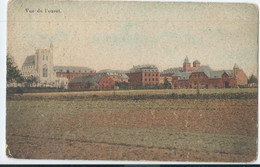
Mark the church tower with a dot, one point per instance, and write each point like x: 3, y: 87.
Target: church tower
x: 235, y: 68
x: 44, y: 64
x: 186, y: 65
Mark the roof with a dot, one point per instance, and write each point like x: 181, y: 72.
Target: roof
x: 206, y: 69
x: 29, y: 61
x: 172, y: 70
x: 112, y: 72
x: 196, y: 62
x: 184, y: 75
x: 235, y: 65
x: 186, y: 60
x: 230, y: 73
x: 92, y: 79
x: 144, y: 68
x: 124, y: 76
x: 214, y: 74
x: 72, y: 69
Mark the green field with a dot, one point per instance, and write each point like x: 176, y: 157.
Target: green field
x: 147, y: 92
x: 150, y: 129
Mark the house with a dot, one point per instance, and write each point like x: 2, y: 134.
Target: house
x: 71, y: 71
x: 98, y: 81
x: 144, y: 75
x: 117, y: 75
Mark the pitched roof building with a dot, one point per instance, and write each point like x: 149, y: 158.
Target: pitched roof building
x: 205, y: 77
x: 98, y: 81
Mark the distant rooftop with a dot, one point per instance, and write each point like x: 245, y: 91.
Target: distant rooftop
x: 92, y: 79
x: 73, y: 69
x: 109, y: 71
x: 144, y: 68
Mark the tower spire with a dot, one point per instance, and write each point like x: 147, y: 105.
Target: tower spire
x: 186, y: 60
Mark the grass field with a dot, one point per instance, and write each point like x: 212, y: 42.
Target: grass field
x: 150, y: 129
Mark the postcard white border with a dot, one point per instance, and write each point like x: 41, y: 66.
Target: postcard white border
x: 6, y: 160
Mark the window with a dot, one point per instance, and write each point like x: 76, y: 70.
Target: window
x: 145, y: 74
x: 149, y: 79
x: 153, y: 79
x: 149, y: 74
x: 153, y: 74
x: 46, y: 57
x: 145, y: 79
x: 45, y: 71
x: 156, y: 74
x: 43, y: 57
x: 156, y: 79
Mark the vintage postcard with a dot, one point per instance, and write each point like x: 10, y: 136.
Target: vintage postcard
x: 132, y: 80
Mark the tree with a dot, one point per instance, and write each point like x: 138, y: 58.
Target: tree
x: 167, y: 84
x: 20, y: 80
x: 13, y: 73
x: 29, y: 81
x: 252, y: 79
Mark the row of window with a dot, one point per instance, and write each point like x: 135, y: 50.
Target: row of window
x: 68, y: 71
x: 198, y: 75
x: 150, y: 70
x: 148, y: 74
x: 26, y: 67
x: 151, y: 79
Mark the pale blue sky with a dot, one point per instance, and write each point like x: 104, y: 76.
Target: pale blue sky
x: 118, y: 35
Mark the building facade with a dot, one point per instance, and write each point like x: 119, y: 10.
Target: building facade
x: 70, y: 72
x: 98, y: 81
x: 205, y: 78
x: 40, y: 65
x: 117, y: 75
x: 144, y: 75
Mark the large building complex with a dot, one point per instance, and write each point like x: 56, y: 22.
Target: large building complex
x: 204, y: 77
x: 186, y: 77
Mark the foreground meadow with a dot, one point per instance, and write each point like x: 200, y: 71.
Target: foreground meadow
x: 148, y: 129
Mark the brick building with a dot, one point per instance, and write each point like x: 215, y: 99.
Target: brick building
x: 99, y: 81
x: 144, y: 75
x: 205, y: 77
x: 117, y: 75
x: 70, y: 72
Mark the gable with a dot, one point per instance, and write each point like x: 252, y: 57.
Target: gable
x: 29, y: 61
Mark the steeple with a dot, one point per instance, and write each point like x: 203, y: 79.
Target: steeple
x: 186, y: 65
x: 235, y: 66
x: 186, y: 60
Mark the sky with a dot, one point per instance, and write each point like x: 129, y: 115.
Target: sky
x: 117, y: 35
